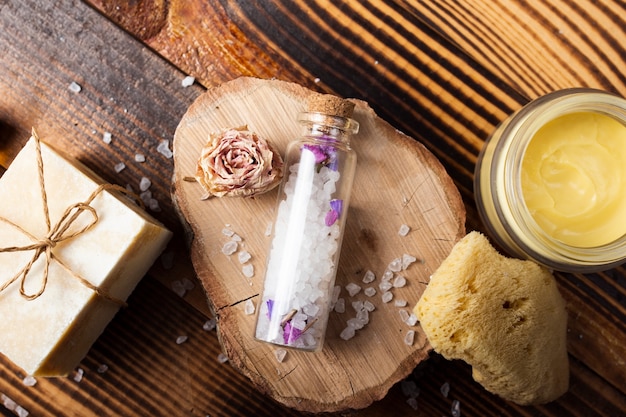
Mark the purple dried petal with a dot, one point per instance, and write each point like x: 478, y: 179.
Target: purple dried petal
x: 337, y: 205
x: 331, y: 217
x: 290, y: 333
x: 270, y: 307
x: 336, y: 208
x: 320, y: 155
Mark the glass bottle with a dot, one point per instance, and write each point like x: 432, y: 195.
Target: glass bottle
x: 499, y: 175
x: 313, y: 200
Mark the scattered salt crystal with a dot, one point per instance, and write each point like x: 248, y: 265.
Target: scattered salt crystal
x: 357, y: 305
x: 340, y: 305
x: 445, y: 389
x: 79, y: 375
x: 353, y: 289
x: 404, y: 315
x: 244, y: 256
x: 387, y: 296
x: 363, y: 316
x: 280, y: 354
x: 336, y: 292
x: 230, y: 247
x: 29, y: 381
x: 404, y: 230
x: 268, y: 229
x: 179, y: 288
x: 409, y: 337
x: 139, y: 157
x: 187, y: 284
x: 181, y: 339
x: 11, y: 405
x: 146, y: 196
x: 409, y: 388
x: 311, y: 310
x: 164, y: 148
x: 188, y: 81
x: 119, y: 167
x: 75, y: 87
x: 167, y: 260
x: 227, y: 232
x: 412, y: 402
x: 387, y: 275
x: 412, y: 320
x: 221, y: 358
x: 236, y: 238
x: 103, y: 368
x: 399, y: 282
x: 370, y: 291
x: 385, y: 286
x: 455, y: 409
x: 347, y: 333
x: 144, y: 184
x: 368, y: 277
x: 395, y: 265
x: 407, y: 260
x: 355, y: 323
x: 400, y: 303
x: 368, y: 306
x: 153, y: 205
x: 106, y: 137
x: 248, y: 270
x: 248, y: 307
x: 209, y: 325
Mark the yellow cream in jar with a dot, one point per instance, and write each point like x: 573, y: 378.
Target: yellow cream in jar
x: 574, y: 179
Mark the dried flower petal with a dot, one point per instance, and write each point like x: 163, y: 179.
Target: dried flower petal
x: 291, y: 334
x: 238, y: 162
x: 270, y: 307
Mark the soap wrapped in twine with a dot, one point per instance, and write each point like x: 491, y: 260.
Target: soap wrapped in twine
x: 55, y: 234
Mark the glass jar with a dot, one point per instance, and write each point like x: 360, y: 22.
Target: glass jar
x: 522, y: 219
x: 308, y: 229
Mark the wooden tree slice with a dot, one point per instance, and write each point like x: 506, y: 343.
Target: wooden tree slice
x: 398, y: 182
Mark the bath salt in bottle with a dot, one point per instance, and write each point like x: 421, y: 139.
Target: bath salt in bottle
x: 308, y: 229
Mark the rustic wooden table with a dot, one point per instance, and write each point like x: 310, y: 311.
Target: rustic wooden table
x: 445, y: 73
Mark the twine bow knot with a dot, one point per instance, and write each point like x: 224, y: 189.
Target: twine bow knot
x: 55, y: 235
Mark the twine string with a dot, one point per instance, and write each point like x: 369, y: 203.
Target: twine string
x: 56, y: 234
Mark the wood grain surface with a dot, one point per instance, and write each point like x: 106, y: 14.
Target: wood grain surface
x: 344, y: 374
x: 445, y: 73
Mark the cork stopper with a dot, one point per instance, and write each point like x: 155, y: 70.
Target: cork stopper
x: 330, y: 105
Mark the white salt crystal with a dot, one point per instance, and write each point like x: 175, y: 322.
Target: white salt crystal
x: 311, y: 310
x: 404, y: 230
x: 395, y: 265
x: 404, y: 315
x: 187, y: 284
x: 227, y: 232
x: 75, y: 87
x: 21, y: 412
x: 153, y: 205
x: 221, y: 358
x: 280, y: 354
x: 355, y: 323
x: 248, y: 307
x: 407, y: 260
x: 144, y: 183
x: 209, y: 325
x: 164, y: 148
x: 79, y: 375
x: 370, y: 291
x: 353, y: 289
x: 368, y: 277
x: 340, y: 306
x: 387, y: 296
x: 400, y: 303
x: 236, y: 238
x: 409, y: 337
x: 412, y: 320
x: 357, y: 305
x: 399, y: 282
x: 188, y: 81
x: 455, y: 409
x: 103, y: 368
x: 347, y: 333
x: 244, y: 256
x: 106, y: 137
x: 29, y: 381
x: 385, y: 286
x: 179, y: 288
x: 230, y: 247
x: 119, y: 167
x: 181, y: 339
x: 363, y: 316
x: 409, y: 388
x: 139, y: 157
x: 367, y: 305
x: 387, y: 275
x: 445, y: 389
x: 412, y: 402
x: 146, y: 196
x: 8, y: 403
x: 336, y: 292
x: 248, y: 270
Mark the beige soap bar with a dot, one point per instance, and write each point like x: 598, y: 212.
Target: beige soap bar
x: 49, y: 335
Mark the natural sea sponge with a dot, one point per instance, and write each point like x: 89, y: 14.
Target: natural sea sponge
x: 504, y: 317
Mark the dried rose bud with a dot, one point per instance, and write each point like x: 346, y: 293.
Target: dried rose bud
x: 238, y: 162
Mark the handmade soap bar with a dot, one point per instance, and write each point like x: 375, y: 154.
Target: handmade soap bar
x: 90, y: 258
